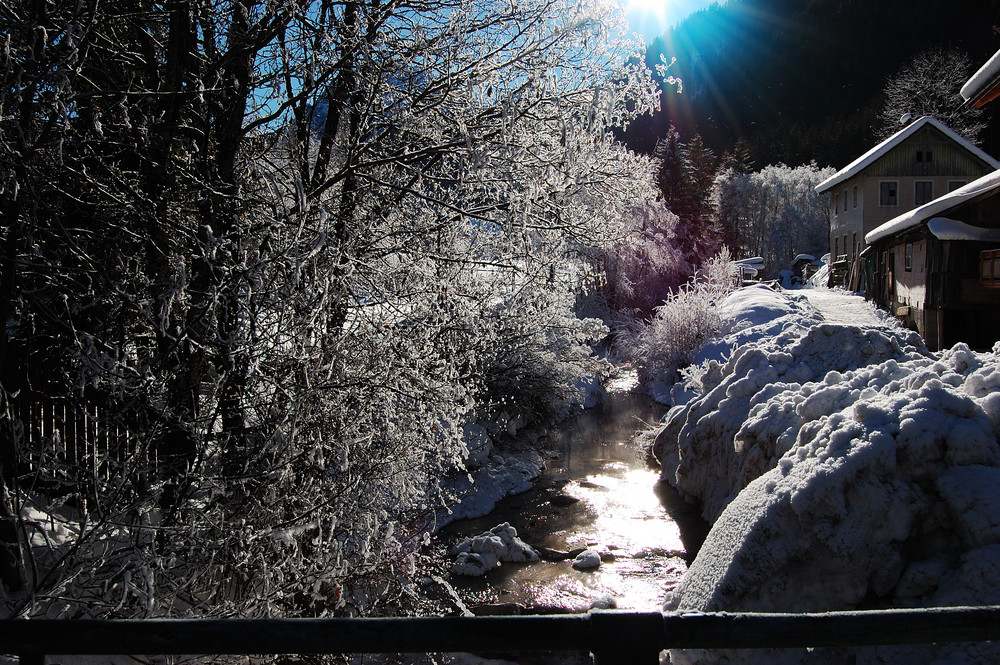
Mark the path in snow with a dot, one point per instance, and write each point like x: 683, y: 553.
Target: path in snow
x: 841, y: 307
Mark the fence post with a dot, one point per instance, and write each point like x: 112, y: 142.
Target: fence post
x: 626, y: 638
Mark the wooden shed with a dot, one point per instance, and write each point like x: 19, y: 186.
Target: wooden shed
x: 937, y: 268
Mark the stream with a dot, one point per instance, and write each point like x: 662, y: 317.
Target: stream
x: 596, y: 492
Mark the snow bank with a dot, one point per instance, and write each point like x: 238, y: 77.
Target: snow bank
x: 499, y: 475
x: 480, y: 554
x: 748, y: 315
x: 842, y: 468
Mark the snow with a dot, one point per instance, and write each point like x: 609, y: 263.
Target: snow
x: 942, y: 204
x: 821, y: 277
x: 879, y: 151
x: 839, y: 306
x: 987, y: 73
x: 499, y: 475
x: 480, y: 554
x: 953, y: 229
x: 841, y: 466
x: 751, y: 313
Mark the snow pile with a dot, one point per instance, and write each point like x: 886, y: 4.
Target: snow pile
x: 480, y: 554
x: 747, y: 315
x: 753, y: 313
x: 843, y: 469
x: 752, y: 409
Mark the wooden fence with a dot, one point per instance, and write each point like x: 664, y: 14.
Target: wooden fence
x: 57, y: 434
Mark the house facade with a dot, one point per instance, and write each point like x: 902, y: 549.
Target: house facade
x: 937, y: 267
x: 921, y: 162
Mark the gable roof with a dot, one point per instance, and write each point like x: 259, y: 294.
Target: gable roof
x: 867, y: 159
x: 936, y: 208
x: 984, y: 85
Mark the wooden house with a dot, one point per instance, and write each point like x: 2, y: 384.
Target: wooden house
x: 914, y: 166
x: 937, y: 267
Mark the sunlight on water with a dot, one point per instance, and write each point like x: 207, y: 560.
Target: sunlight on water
x: 627, y: 514
x: 625, y: 379
x: 617, y: 511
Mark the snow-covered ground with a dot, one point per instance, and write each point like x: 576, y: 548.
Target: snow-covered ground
x: 842, y: 466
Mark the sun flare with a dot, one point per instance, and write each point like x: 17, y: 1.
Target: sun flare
x: 648, y: 10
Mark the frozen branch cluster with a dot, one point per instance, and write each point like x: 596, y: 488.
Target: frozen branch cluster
x: 281, y: 254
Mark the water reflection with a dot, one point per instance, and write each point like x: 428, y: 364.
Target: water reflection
x: 597, y: 493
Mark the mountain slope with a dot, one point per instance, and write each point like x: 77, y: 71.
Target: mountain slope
x: 801, y: 81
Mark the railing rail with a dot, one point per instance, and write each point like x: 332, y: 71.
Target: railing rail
x: 614, y: 637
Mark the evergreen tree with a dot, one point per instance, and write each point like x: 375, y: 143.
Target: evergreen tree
x: 685, y: 173
x: 670, y: 169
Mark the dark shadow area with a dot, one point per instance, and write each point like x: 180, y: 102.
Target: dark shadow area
x: 687, y: 516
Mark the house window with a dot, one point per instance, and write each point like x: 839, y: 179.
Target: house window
x: 923, y: 192
x: 836, y: 203
x: 908, y: 257
x: 845, y: 200
x: 845, y: 246
x: 836, y: 248
x: 855, y: 196
x: 955, y: 184
x: 854, y: 246
x: 923, y: 156
x: 888, y: 193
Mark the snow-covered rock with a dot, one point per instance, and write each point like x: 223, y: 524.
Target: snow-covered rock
x: 499, y: 476
x: 478, y: 444
x: 474, y: 564
x: 480, y: 554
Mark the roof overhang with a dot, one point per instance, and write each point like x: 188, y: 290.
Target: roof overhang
x: 984, y: 86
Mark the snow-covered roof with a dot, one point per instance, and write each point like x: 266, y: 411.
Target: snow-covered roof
x: 865, y: 160
x: 982, y: 81
x: 953, y: 229
x: 936, y: 208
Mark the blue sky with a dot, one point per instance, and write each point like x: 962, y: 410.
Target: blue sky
x: 652, y: 18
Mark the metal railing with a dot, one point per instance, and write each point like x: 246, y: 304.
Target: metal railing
x: 614, y: 637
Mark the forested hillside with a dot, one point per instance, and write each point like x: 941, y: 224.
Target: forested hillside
x: 803, y: 80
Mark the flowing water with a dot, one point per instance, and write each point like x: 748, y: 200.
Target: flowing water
x: 597, y: 492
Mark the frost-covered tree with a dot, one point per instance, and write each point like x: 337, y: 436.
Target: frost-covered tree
x: 930, y: 84
x: 277, y: 254
x: 773, y: 213
x: 647, y: 265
